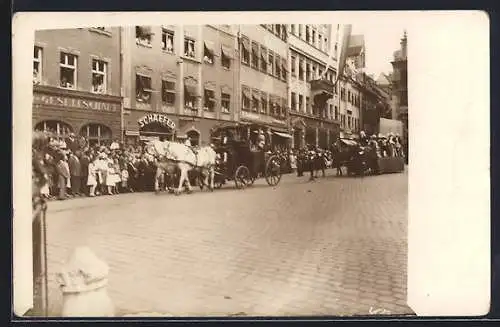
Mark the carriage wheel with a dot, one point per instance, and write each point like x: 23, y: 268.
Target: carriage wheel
x: 272, y: 171
x: 242, y: 177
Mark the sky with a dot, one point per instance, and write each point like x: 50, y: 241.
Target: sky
x: 380, y: 43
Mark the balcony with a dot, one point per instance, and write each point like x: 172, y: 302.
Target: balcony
x: 322, y: 87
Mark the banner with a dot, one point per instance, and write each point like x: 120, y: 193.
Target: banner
x: 346, y: 37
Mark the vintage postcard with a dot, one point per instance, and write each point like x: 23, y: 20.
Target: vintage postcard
x: 279, y: 164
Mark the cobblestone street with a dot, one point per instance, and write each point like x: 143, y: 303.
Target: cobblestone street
x: 336, y: 246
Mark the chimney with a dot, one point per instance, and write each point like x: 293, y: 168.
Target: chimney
x: 404, y: 44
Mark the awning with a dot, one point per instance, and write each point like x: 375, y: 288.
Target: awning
x: 285, y: 135
x: 191, y: 89
x: 255, y: 95
x: 209, y: 45
x: 246, y: 93
x: 255, y: 49
x: 227, y: 51
x: 245, y: 43
x: 349, y: 142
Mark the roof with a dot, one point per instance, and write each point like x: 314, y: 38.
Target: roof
x: 383, y: 80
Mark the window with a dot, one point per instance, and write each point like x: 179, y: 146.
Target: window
x: 294, y: 101
x: 263, y: 59
x: 301, y: 69
x: 143, y: 35
x: 278, y: 66
x: 255, y: 101
x: 330, y: 111
x: 307, y: 105
x: 225, y: 102
x: 245, y: 51
x: 349, y: 96
x: 96, y: 134
x: 342, y: 94
x: 284, y: 69
x: 320, y: 41
x: 209, y: 97
x: 277, y: 29
x: 143, y: 88
x: 167, y: 41
x: 245, y: 98
x: 292, y: 28
x: 225, y: 58
x: 168, y: 92
x: 37, y: 65
x: 189, y: 47
x: 263, y: 103
x: 68, y: 65
x: 271, y: 63
x: 99, y: 71
x: 294, y: 62
x: 255, y: 55
x: 277, y: 107
x: 59, y: 129
x: 190, y: 93
x: 301, y: 28
x: 308, y: 72
x: 336, y: 113
x: 208, y: 52
x: 314, y: 38
x: 349, y: 122
x: 301, y: 102
x: 308, y: 36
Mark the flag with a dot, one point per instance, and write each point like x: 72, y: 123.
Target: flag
x: 346, y: 36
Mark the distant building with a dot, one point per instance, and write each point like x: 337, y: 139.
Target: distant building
x: 76, y: 83
x: 400, y: 86
x: 314, y: 112
x: 178, y: 80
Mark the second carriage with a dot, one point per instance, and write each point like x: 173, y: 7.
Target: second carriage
x: 240, y: 160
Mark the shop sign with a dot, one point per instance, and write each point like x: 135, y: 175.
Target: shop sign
x: 261, y: 119
x: 156, y: 118
x: 61, y: 101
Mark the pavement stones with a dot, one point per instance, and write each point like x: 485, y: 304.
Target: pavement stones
x: 334, y: 247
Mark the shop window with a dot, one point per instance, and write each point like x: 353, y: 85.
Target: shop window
x: 68, y: 69
x: 209, y: 100
x: 263, y: 59
x: 245, y: 99
x: 255, y: 55
x: 294, y: 62
x: 189, y: 47
x: 278, y: 66
x: 99, y: 76
x: 37, y: 65
x: 96, y: 134
x: 225, y: 103
x: 168, y: 92
x: 301, y: 69
x: 255, y: 101
x: 58, y: 129
x: 294, y: 101
x: 208, y: 52
x: 271, y: 63
x: 143, y: 89
x: 143, y: 35
x: 245, y: 51
x: 263, y: 103
x: 301, y: 102
x: 167, y: 41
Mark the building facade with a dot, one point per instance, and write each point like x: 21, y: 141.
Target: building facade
x: 263, y: 53
x: 76, y: 83
x: 313, y: 114
x: 179, y: 81
x: 400, y: 87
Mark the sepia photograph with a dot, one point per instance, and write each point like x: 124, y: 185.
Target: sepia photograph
x: 204, y: 170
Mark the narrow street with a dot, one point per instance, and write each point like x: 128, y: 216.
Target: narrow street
x: 336, y: 246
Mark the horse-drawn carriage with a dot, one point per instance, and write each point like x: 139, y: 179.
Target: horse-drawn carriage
x: 240, y: 161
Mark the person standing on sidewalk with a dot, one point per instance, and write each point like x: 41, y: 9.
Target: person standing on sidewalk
x: 75, y: 172
x: 84, y: 163
x: 62, y: 176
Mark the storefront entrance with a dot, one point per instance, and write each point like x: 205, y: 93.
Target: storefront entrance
x: 58, y: 129
x: 96, y: 134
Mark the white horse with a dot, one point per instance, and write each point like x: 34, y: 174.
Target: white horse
x: 172, y: 155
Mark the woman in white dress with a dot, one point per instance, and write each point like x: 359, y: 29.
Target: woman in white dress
x: 91, y: 179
